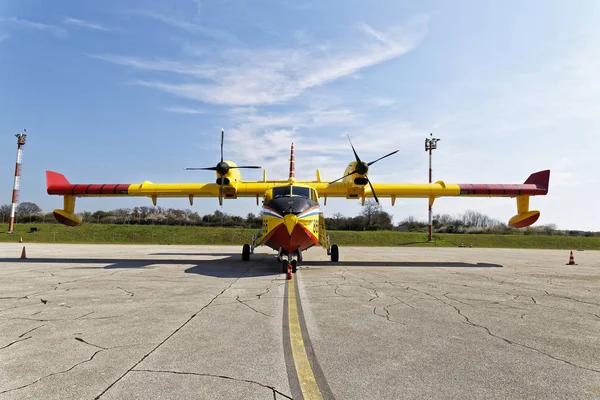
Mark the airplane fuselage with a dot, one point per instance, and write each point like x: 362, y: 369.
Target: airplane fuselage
x: 290, y: 219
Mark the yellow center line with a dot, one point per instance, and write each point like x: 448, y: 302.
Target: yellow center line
x: 308, y: 383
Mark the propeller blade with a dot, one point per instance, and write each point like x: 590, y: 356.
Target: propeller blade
x: 247, y: 166
x: 373, y: 191
x: 203, y: 169
x: 355, y: 154
x: 381, y: 158
x: 339, y: 179
x: 222, y: 137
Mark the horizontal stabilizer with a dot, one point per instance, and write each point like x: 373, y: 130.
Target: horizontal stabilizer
x: 55, y: 179
x: 540, y: 179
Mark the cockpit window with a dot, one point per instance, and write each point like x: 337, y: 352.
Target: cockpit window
x: 293, y: 191
x: 301, y: 191
x: 281, y: 191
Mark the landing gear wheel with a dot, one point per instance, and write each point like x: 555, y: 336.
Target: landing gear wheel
x: 284, y: 265
x: 294, y: 266
x: 246, y: 252
x: 335, y: 253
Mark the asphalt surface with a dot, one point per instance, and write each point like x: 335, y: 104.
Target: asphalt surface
x: 182, y: 322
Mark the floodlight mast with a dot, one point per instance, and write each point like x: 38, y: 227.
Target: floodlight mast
x: 21, y: 137
x: 430, y: 145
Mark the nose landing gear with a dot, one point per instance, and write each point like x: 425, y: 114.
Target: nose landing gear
x: 290, y: 260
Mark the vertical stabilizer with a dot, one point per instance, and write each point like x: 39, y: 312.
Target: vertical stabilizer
x: 292, y: 164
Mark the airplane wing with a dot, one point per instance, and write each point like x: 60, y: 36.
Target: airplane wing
x: 536, y: 185
x: 57, y: 184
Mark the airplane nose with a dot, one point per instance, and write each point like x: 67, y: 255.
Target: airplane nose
x: 290, y: 221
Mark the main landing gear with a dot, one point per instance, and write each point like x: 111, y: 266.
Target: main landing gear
x: 248, y: 249
x: 246, y: 252
x: 334, y: 252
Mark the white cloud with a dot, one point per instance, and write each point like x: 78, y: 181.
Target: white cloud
x: 190, y: 27
x: 184, y: 110
x: 270, y: 76
x: 27, y: 24
x: 85, y: 24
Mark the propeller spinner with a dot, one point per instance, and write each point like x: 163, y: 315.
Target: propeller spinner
x: 222, y: 168
x: 362, y: 168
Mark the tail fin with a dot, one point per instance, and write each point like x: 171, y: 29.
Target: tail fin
x: 54, y: 179
x: 292, y: 162
x: 540, y: 179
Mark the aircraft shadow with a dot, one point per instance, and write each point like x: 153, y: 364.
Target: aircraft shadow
x: 417, y: 264
x: 229, y: 267
x: 232, y: 266
x: 233, y: 254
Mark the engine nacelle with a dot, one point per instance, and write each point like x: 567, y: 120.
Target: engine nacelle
x: 230, y: 181
x: 355, y: 179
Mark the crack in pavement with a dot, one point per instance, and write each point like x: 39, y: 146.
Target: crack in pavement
x: 458, y: 301
x: 126, y: 291
x: 403, y: 302
x: 252, y: 308
x: 90, y: 344
x: 170, y: 335
x: 376, y: 295
x: 60, y: 319
x: 503, y: 304
x: 570, y: 298
x: 263, y: 293
x: 84, y: 315
x: 54, y: 373
x: 272, y: 388
x: 31, y: 330
x: 107, y: 317
x: 16, y: 341
x: 387, y: 314
x: 507, y: 340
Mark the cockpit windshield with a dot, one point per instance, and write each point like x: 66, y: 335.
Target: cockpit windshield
x: 291, y: 191
x: 281, y: 191
x: 301, y: 191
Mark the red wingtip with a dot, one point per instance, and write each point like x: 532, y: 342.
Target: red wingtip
x: 55, y: 179
x: 540, y: 179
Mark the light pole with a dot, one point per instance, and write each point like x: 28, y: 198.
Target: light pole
x: 430, y: 145
x: 21, y: 137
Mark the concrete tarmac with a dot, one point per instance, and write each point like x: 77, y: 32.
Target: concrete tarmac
x: 196, y: 322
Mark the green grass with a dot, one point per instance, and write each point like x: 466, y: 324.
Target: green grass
x: 189, y: 235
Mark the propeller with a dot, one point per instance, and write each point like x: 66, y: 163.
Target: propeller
x: 222, y: 168
x: 362, y: 168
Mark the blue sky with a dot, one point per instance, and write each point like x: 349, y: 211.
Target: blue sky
x: 126, y: 91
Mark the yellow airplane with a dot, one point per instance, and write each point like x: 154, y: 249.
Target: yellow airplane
x: 291, y: 217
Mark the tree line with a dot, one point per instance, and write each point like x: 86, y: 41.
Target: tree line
x: 372, y: 217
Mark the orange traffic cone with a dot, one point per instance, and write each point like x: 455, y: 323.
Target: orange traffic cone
x: 289, y: 272
x: 23, y: 254
x: 21, y: 240
x: 571, y: 259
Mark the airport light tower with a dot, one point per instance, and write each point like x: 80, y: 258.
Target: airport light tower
x: 15, y: 194
x: 430, y: 145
